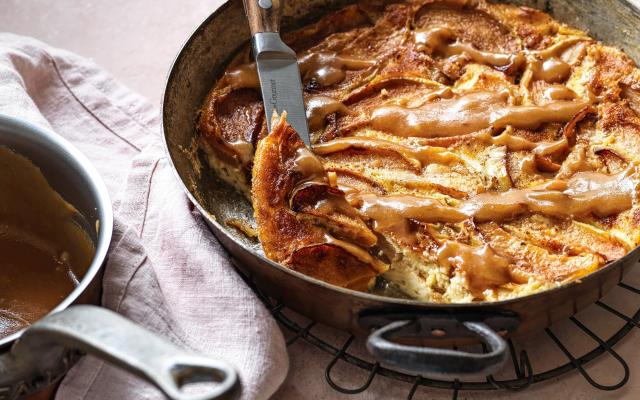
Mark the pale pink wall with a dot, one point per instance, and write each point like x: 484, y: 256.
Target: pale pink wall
x: 135, y: 40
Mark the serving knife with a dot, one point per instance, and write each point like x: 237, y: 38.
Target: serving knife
x: 277, y: 65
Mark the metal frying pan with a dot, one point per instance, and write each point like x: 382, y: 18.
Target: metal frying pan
x: 194, y: 71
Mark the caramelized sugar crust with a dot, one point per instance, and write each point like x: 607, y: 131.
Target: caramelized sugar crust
x: 463, y: 150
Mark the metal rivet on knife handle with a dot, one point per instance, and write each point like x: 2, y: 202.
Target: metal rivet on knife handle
x: 263, y: 15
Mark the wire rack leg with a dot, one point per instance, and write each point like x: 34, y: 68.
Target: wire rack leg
x: 522, y: 368
x: 414, y: 387
x: 456, y: 390
x: 334, y: 360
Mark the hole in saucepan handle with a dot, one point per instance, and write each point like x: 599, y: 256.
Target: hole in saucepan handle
x: 438, y: 361
x: 199, y: 378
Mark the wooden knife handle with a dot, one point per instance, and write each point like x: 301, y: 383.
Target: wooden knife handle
x: 263, y: 15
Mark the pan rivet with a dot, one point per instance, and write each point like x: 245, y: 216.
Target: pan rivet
x: 503, y: 332
x: 266, y: 4
x: 438, y: 332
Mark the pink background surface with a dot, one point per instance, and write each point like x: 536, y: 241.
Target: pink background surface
x: 136, y: 41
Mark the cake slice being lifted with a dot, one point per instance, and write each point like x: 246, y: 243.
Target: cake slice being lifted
x: 304, y: 222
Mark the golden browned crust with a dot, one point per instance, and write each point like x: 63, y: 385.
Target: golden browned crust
x: 390, y: 59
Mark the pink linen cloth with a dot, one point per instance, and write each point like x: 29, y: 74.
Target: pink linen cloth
x: 165, y: 270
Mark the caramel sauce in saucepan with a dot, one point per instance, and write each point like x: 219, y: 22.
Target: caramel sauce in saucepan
x: 43, y: 251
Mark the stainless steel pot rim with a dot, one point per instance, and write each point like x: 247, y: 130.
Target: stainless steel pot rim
x: 385, y: 299
x: 83, y: 166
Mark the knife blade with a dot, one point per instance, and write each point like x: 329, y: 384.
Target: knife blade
x: 277, y: 66
x: 280, y: 81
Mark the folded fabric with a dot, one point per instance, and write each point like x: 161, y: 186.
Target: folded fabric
x: 165, y: 270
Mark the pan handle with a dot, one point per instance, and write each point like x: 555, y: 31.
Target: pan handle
x: 439, y: 361
x: 108, y: 336
x: 393, y: 335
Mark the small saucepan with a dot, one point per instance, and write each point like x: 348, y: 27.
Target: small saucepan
x: 36, y: 357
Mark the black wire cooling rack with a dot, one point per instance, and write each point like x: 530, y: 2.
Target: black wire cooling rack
x: 523, y: 374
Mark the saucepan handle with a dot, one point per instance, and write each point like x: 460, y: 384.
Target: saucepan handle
x: 263, y: 15
x: 109, y: 336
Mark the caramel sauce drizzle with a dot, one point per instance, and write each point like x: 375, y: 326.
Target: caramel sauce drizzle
x: 308, y: 165
x: 582, y: 194
x: 244, y: 76
x: 418, y: 157
x: 325, y: 68
x: 547, y: 64
x: 442, y: 40
x: 559, y: 92
x: 446, y: 117
x: 548, y: 148
x: 469, y: 113
x: 517, y: 143
x: 540, y: 65
x: 531, y: 117
x: 481, y: 266
x: 318, y: 107
x: 556, y: 49
x: 389, y: 212
x: 551, y: 70
x: 332, y: 202
x: 329, y: 68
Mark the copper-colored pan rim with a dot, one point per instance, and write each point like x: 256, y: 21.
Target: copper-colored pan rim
x: 633, y: 254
